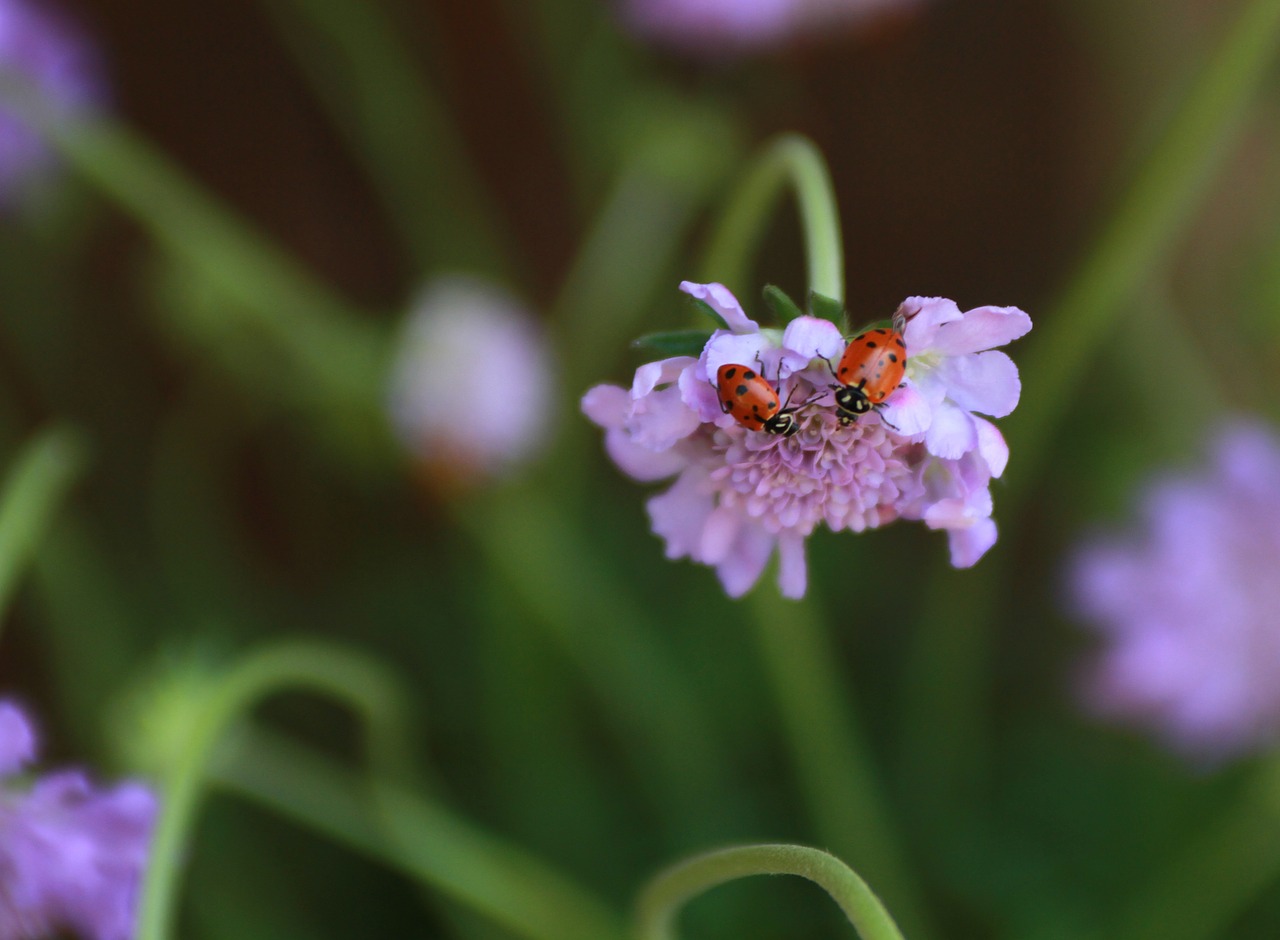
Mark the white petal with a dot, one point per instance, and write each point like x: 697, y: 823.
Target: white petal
x: 640, y: 462
x: 982, y: 328
x: 607, y: 405
x: 952, y: 433
x: 720, y: 299
x: 811, y: 338
x: 747, y: 349
x: 792, y: 571
x: 971, y: 543
x: 987, y: 382
x: 991, y: 446
x: 925, y: 315
x: 746, y: 561
x: 652, y: 374
x: 908, y: 411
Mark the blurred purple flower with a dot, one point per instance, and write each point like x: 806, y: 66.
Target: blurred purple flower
x: 44, y: 55
x: 713, y: 28
x: 739, y: 494
x: 71, y: 856
x: 1190, y: 607
x: 472, y: 388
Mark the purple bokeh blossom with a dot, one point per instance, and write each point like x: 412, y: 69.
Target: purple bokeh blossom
x: 739, y: 494
x: 72, y: 855
x: 472, y: 387
x: 44, y: 55
x: 1189, y: 606
x: 712, y: 28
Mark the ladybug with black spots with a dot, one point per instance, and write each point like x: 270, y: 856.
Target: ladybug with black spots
x: 753, y: 401
x: 871, y: 369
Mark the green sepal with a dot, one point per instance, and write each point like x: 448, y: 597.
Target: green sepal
x: 783, y: 307
x: 827, y: 308
x: 707, y: 309
x: 674, y: 342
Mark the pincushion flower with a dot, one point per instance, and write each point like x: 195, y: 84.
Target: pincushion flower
x: 42, y: 55
x: 1189, y: 606
x: 72, y: 855
x: 456, y: 424
x: 740, y: 494
x: 711, y: 27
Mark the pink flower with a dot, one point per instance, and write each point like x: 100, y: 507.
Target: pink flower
x: 1190, y: 606
x: 455, y: 424
x: 740, y: 494
x: 719, y: 27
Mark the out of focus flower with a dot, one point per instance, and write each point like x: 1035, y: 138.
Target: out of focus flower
x: 472, y: 385
x: 739, y: 493
x: 712, y: 28
x: 1190, y: 604
x: 47, y: 62
x: 71, y: 855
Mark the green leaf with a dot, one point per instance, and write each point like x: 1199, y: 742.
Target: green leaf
x: 674, y: 342
x: 710, y: 312
x: 783, y: 307
x: 828, y: 308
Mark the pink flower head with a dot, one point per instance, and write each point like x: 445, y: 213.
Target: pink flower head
x: 739, y: 494
x: 71, y: 855
x: 472, y: 385
x: 1190, y: 606
x: 719, y: 27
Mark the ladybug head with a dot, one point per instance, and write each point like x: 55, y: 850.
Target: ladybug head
x: 851, y: 401
x: 784, y: 423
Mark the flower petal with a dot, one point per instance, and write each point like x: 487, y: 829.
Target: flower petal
x: 607, y: 405
x: 680, y: 514
x: 809, y: 338
x: 661, y: 418
x: 701, y: 396
x: 639, y: 462
x: 924, y: 316
x: 992, y: 446
x: 17, y: 739
x: 952, y: 433
x: 792, y: 571
x: 982, y: 328
x: 752, y: 350
x: 742, y: 568
x: 720, y: 299
x: 969, y: 544
x: 987, y: 382
x: 908, y: 411
x: 652, y: 374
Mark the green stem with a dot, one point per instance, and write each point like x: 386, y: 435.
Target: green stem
x: 444, y: 852
x: 849, y: 812
x: 36, y: 486
x: 400, y: 127
x: 791, y: 159
x: 1200, y: 892
x: 1141, y: 232
x: 671, y: 889
x: 341, y: 674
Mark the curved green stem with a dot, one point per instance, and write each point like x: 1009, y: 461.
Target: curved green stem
x: 37, y: 482
x: 1141, y: 232
x: 791, y: 159
x: 442, y: 851
x: 670, y: 889
x: 360, y: 683
x: 836, y: 778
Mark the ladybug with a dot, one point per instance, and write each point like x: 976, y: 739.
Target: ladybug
x: 753, y: 402
x: 871, y: 368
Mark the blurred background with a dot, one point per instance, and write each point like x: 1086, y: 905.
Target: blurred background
x: 212, y: 296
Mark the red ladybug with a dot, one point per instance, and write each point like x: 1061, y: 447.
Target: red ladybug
x: 871, y: 368
x: 753, y: 402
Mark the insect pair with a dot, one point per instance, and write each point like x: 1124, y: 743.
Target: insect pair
x: 872, y: 367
